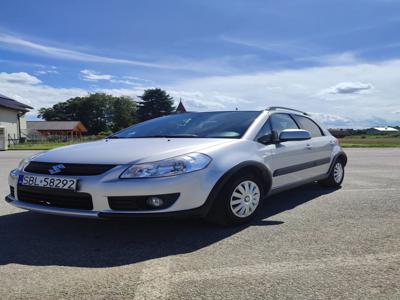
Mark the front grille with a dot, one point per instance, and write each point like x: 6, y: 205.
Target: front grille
x: 139, y: 202
x: 55, y: 198
x: 68, y: 169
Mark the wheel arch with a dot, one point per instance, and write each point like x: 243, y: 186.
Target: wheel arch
x: 338, y: 156
x: 253, y: 167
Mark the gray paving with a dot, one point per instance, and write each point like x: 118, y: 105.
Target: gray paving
x: 309, y: 243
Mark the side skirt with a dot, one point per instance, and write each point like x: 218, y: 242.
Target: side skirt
x: 296, y: 184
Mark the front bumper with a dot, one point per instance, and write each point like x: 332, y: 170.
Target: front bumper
x: 51, y: 210
x: 193, y: 188
x: 201, y: 211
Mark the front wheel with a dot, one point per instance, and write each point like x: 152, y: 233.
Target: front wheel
x: 336, y: 175
x: 238, y: 202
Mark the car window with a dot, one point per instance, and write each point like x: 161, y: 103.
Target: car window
x: 309, y: 125
x: 228, y: 124
x: 265, y: 130
x: 281, y: 122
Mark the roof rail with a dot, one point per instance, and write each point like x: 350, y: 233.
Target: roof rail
x: 286, y: 108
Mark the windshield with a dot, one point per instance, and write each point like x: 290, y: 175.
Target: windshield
x: 231, y: 124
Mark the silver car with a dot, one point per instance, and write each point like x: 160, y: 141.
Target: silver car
x: 218, y: 165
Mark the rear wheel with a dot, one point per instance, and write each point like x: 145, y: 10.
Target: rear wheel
x: 238, y: 202
x: 336, y: 175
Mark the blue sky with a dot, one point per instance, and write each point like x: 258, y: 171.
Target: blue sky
x: 337, y: 59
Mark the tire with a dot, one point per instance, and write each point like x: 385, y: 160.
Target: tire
x: 336, y: 175
x: 244, y: 191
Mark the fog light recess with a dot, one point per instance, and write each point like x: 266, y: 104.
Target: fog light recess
x: 154, y: 201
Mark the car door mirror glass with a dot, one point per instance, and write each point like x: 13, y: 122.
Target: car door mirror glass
x: 294, y: 135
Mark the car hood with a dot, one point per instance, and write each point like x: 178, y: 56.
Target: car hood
x: 124, y: 151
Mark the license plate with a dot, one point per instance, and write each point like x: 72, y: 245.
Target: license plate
x: 48, y: 182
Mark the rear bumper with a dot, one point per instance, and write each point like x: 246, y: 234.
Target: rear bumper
x: 101, y: 214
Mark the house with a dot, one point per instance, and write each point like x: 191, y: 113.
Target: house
x: 382, y: 130
x: 180, y: 109
x: 341, y: 132
x: 12, y: 120
x: 66, y: 129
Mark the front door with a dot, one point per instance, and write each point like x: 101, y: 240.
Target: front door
x: 289, y: 160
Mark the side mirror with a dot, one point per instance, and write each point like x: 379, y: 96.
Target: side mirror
x: 294, y: 135
x: 265, y: 139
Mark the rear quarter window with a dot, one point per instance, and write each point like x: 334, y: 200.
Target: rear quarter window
x: 309, y: 125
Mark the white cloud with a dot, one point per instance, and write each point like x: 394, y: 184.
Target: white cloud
x: 57, y: 52
x: 133, y: 80
x: 349, y: 88
x: 45, y: 70
x: 21, y: 78
x: 133, y: 92
x: 34, y: 93
x: 296, y: 50
x: 217, y: 65
x: 139, y: 79
x: 196, y: 101
x: 331, y: 120
x: 90, y: 75
x: 285, y: 47
x: 301, y: 88
x: 336, y: 59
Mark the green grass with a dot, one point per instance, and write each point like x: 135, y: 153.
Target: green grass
x: 39, y: 146
x: 52, y: 144
x: 366, y: 141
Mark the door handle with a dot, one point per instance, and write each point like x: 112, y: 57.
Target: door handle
x: 308, y: 147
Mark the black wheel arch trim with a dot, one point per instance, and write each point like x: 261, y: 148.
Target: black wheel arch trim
x: 340, y: 155
x: 266, y: 175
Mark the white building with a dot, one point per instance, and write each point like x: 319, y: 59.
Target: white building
x: 380, y: 130
x: 12, y: 120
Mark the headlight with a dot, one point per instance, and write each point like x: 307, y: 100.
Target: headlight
x: 23, y: 163
x: 169, y: 167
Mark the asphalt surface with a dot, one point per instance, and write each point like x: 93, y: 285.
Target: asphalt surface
x: 309, y: 243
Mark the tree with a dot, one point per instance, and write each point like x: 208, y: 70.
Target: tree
x: 99, y: 112
x: 155, y: 103
x: 124, y: 113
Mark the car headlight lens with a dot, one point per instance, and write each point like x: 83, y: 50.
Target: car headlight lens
x: 169, y: 167
x: 21, y: 166
x: 23, y: 163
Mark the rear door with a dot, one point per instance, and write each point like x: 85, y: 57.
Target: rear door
x: 287, y: 160
x: 319, y: 146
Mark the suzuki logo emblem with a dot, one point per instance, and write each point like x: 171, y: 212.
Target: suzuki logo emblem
x: 56, y: 169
